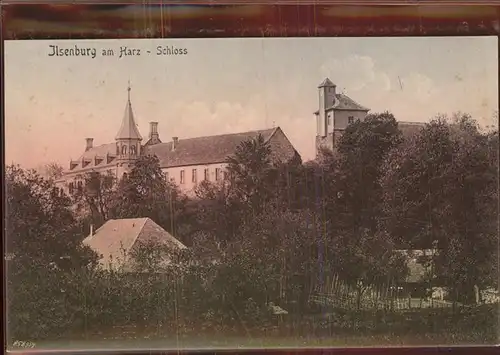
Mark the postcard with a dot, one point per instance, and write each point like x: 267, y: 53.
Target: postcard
x: 251, y: 192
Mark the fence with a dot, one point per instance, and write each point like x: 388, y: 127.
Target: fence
x: 337, y: 293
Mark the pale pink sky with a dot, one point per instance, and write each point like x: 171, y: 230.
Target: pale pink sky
x: 228, y: 85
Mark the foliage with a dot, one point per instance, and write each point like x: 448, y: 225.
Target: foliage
x: 270, y: 233
x: 51, y: 171
x: 41, y: 228
x: 145, y: 192
x: 95, y: 199
x: 441, y: 190
x: 250, y: 171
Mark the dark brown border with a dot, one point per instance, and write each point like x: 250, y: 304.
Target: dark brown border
x: 42, y: 21
x: 204, y: 19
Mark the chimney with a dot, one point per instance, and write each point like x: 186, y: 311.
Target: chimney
x: 90, y: 143
x: 175, y: 141
x: 153, y: 130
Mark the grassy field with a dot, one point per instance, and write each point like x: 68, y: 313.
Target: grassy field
x: 335, y: 328
x: 304, y: 335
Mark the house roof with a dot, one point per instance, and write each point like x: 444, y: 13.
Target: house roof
x: 410, y: 128
x: 344, y: 102
x: 189, y: 151
x: 128, y: 129
x: 203, y: 150
x: 117, y: 237
x: 104, y: 151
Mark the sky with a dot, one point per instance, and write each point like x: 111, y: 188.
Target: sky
x: 52, y: 103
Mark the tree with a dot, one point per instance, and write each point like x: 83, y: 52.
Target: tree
x: 361, y: 151
x: 352, y: 195
x: 250, y: 170
x: 41, y: 228
x: 441, y: 189
x: 95, y: 199
x: 51, y: 171
x: 282, y: 254
x: 145, y: 192
x: 218, y: 212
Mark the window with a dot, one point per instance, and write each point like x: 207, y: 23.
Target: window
x: 124, y: 150
x: 329, y: 120
x: 206, y: 175
x: 132, y: 150
x: 217, y: 174
x: 350, y: 119
x: 71, y: 187
x: 182, y: 176
x: 194, y: 177
x: 117, y: 149
x: 80, y: 186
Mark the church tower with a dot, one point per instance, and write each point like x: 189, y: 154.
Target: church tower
x: 128, y: 140
x: 327, y: 92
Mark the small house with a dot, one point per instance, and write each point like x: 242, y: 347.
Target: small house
x: 118, y: 239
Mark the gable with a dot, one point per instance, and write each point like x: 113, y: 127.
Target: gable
x: 281, y: 148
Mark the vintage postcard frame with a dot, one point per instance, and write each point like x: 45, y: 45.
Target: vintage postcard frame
x: 245, y: 19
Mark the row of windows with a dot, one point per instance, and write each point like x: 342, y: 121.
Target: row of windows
x: 219, y: 174
x: 133, y: 150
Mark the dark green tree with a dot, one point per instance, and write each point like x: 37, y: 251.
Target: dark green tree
x: 441, y: 191
x: 145, y: 192
x: 40, y: 226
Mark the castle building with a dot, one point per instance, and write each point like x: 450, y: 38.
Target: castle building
x: 186, y: 162
x: 336, y: 111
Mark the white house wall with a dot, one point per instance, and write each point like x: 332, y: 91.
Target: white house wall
x: 188, y: 185
x: 341, y: 119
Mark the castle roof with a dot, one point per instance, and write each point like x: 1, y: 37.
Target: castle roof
x: 119, y: 236
x: 128, y: 129
x: 410, y: 128
x: 203, y: 150
x: 344, y: 102
x: 189, y: 151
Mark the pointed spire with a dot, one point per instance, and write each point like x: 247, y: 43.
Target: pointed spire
x: 128, y: 129
x: 326, y: 83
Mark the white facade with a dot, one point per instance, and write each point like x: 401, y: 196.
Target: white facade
x: 187, y: 178
x: 342, y: 118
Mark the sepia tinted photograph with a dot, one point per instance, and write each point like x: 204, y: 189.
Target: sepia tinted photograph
x: 251, y: 192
